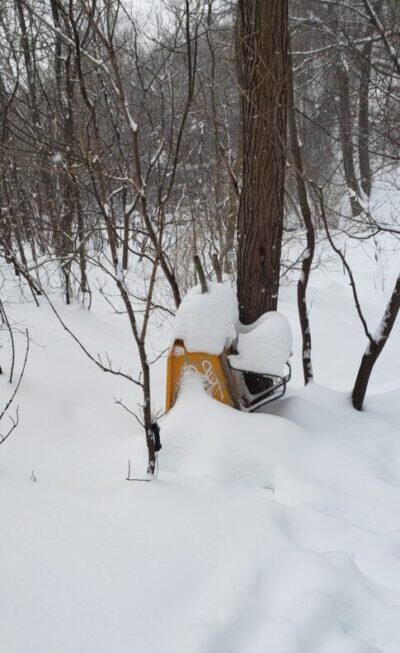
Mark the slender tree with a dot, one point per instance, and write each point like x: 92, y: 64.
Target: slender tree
x: 375, y: 347
x: 297, y: 161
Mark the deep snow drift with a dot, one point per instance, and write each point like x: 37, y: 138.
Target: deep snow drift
x: 312, y: 560
x: 263, y: 532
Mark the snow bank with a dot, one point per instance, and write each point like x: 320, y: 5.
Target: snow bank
x: 207, y: 322
x: 264, y: 346
x: 309, y: 536
x: 287, y: 525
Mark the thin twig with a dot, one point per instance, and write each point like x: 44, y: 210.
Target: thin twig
x: 6, y: 320
x: 345, y: 264
x: 14, y: 422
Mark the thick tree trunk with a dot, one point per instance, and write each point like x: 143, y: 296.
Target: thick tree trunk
x: 374, y: 349
x: 262, y: 54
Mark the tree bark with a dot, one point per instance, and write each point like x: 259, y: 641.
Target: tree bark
x: 363, y: 119
x: 374, y: 349
x: 346, y: 133
x: 363, y: 110
x: 310, y: 233
x: 262, y: 54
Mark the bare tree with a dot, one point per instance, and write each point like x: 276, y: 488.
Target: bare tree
x: 377, y: 341
x: 375, y: 346
x: 310, y: 232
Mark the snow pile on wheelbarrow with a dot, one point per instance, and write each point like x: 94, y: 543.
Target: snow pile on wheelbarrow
x: 264, y: 346
x: 209, y: 322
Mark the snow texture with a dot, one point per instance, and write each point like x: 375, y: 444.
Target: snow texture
x: 277, y: 531
x: 207, y: 322
x: 265, y: 346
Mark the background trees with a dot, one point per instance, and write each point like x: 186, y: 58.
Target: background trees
x: 121, y: 147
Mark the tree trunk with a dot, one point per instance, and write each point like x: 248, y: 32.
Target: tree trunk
x: 346, y: 133
x: 29, y: 66
x: 125, y: 238
x: 310, y: 233
x: 147, y: 418
x: 82, y: 249
x: 262, y: 54
x: 363, y: 109
x: 374, y: 349
x: 363, y: 119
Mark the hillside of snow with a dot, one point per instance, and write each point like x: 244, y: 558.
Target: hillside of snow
x: 277, y: 531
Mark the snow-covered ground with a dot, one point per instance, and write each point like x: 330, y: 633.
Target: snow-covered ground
x: 266, y: 532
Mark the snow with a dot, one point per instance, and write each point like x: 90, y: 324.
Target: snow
x: 132, y: 123
x: 277, y: 531
x: 264, y: 346
x: 57, y: 158
x: 306, y: 550
x: 207, y: 322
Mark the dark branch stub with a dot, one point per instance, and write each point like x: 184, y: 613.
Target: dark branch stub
x: 200, y: 273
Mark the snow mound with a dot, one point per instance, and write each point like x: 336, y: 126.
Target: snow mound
x: 207, y: 322
x: 263, y: 532
x: 309, y: 534
x: 264, y: 346
x: 222, y: 443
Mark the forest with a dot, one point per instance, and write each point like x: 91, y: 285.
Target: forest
x: 188, y: 182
